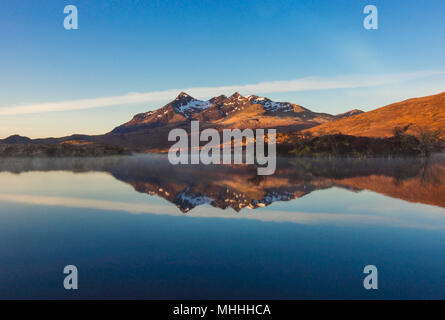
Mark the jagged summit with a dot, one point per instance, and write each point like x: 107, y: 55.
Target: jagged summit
x: 236, y: 95
x: 218, y: 99
x: 235, y: 111
x: 183, y: 95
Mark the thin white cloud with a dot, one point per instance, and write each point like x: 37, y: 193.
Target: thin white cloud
x: 302, y: 84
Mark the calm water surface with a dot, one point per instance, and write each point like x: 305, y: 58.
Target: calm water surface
x: 137, y: 227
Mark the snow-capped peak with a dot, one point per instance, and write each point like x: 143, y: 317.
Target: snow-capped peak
x: 237, y: 96
x: 194, y: 104
x: 270, y: 105
x: 186, y: 104
x: 253, y: 97
x: 183, y: 95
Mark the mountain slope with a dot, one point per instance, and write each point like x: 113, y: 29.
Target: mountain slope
x: 149, y: 131
x: 235, y: 111
x: 413, y: 114
x: 349, y: 114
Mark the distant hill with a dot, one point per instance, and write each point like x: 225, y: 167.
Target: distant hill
x: 349, y: 114
x: 411, y: 115
x: 16, y: 139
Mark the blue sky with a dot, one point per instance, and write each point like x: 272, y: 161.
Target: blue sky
x: 121, y: 47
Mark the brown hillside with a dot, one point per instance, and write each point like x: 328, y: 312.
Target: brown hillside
x: 418, y: 113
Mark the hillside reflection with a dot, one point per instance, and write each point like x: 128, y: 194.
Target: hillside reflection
x: 238, y: 187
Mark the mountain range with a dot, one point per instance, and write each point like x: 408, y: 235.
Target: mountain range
x: 149, y: 131
x: 235, y: 111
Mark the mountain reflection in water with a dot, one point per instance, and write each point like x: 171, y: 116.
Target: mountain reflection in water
x: 238, y: 187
